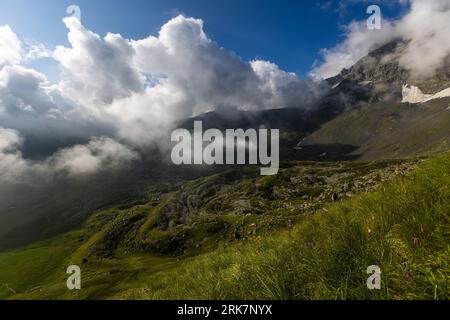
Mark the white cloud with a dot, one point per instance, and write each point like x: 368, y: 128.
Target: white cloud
x: 12, y: 164
x: 10, y: 47
x: 426, y: 25
x: 201, y: 76
x: 37, y: 51
x: 145, y: 119
x: 284, y: 89
x: 133, y: 91
x: 96, y: 70
x: 193, y: 64
x: 97, y: 155
x: 358, y: 43
x: 24, y: 90
x: 428, y: 28
x: 30, y: 104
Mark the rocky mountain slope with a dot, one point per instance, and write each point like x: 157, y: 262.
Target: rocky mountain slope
x: 403, y: 116
x: 381, y: 68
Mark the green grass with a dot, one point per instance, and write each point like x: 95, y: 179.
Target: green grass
x: 29, y: 268
x: 281, y: 267
x: 324, y: 256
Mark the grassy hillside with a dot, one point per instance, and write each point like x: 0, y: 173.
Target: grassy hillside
x: 327, y: 254
x: 389, y: 129
x: 308, y: 233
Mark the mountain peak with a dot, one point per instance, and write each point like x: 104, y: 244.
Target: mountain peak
x: 382, y: 67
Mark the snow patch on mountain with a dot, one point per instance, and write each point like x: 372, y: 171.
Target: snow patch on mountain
x: 413, y: 94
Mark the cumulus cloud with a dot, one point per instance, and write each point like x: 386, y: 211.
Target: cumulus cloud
x: 96, y: 70
x: 209, y: 75
x: 142, y: 87
x: 11, y: 47
x: 425, y: 26
x: 189, y: 61
x: 128, y: 90
x: 285, y: 89
x: 24, y: 90
x: 30, y: 104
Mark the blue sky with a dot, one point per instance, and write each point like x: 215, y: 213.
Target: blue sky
x: 289, y: 33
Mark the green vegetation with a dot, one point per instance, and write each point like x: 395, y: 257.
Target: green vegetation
x: 27, y: 269
x: 326, y: 255
x: 315, y: 230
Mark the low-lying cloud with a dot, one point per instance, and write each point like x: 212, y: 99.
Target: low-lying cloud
x: 99, y: 154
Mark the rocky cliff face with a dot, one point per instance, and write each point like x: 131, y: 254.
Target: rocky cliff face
x: 400, y: 116
x: 381, y: 68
